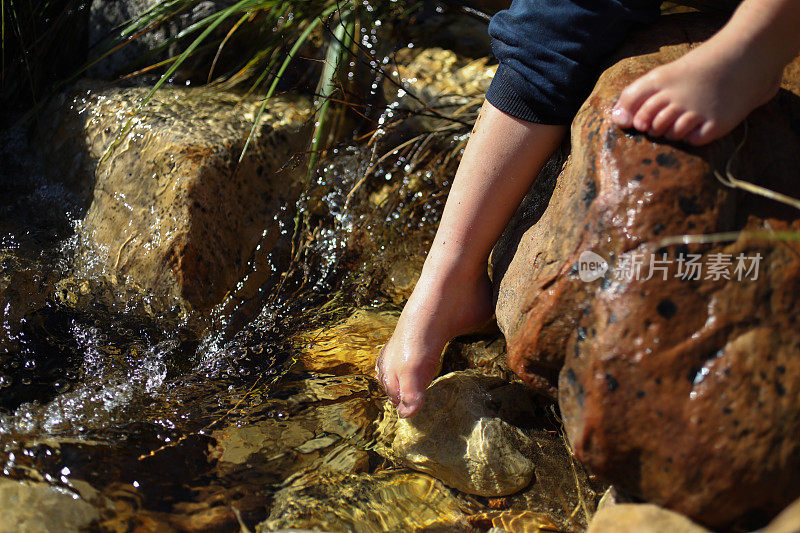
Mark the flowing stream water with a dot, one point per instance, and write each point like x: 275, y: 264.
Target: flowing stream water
x: 163, y: 422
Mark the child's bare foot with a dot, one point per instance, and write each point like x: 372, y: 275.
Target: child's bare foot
x: 440, y: 308
x: 704, y: 94
x: 453, y: 295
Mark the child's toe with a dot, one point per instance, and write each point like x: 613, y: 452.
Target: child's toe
x: 622, y: 117
x: 412, y: 394
x: 630, y: 100
x: 664, y: 120
x: 412, y: 389
x: 703, y: 134
x: 643, y: 119
x: 410, y: 404
x: 683, y: 125
x: 391, y: 386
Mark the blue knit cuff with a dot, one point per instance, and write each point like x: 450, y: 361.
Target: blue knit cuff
x: 507, y: 93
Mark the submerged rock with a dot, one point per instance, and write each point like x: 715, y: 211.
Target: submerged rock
x: 679, y: 388
x: 561, y: 492
x: 170, y: 209
x: 486, y: 354
x: 465, y: 435
x: 298, y: 429
x: 786, y: 522
x: 514, y: 521
x: 24, y: 289
x: 641, y: 518
x: 349, y: 347
x: 388, y: 501
x: 323, y: 424
x: 41, y: 508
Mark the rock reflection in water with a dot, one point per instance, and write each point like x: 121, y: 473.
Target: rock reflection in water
x: 361, y: 503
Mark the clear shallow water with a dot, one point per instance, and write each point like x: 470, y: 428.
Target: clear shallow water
x: 143, y: 415
x: 177, y: 423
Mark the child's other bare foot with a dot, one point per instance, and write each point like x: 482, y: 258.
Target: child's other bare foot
x: 440, y: 308
x: 704, y: 94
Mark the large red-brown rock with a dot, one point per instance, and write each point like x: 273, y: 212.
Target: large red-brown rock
x: 683, y: 392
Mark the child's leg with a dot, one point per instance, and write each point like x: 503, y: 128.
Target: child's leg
x: 709, y: 91
x: 548, y: 52
x: 453, y: 295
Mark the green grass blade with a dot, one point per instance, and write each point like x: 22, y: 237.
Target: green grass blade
x: 241, y: 75
x: 333, y: 58
x: 295, y: 48
x: 236, y: 26
x: 161, y: 10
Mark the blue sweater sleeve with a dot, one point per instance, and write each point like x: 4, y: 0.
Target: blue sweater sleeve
x: 550, y: 52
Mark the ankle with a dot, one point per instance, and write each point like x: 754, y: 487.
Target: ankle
x: 759, y: 46
x: 446, y: 274
x: 770, y: 27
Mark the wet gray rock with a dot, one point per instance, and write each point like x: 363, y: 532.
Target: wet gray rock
x: 465, y: 435
x: 641, y: 518
x: 40, y: 508
x: 105, y: 19
x: 170, y: 213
